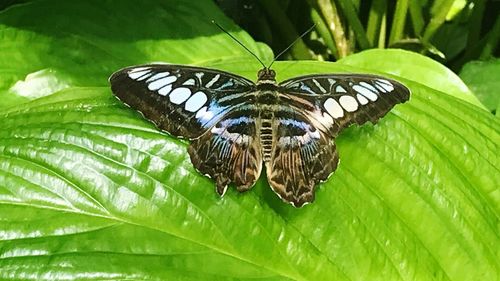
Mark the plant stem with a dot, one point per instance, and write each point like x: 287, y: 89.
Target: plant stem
x: 475, y: 23
x: 398, y: 22
x: 322, y: 30
x: 356, y: 4
x: 438, y: 18
x: 416, y: 17
x: 278, y: 18
x: 330, y: 14
x: 383, y: 32
x: 376, y: 14
x: 350, y: 13
x: 492, y: 40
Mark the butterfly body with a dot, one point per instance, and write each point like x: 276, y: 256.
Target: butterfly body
x: 238, y: 127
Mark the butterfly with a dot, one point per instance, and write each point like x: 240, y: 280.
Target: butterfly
x: 237, y: 127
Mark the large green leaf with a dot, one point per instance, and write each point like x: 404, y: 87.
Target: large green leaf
x: 89, y: 190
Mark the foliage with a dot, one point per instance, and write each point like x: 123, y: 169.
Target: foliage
x: 453, y: 31
x: 482, y: 78
x: 89, y: 190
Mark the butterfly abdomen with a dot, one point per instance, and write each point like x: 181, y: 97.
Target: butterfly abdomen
x: 266, y: 137
x: 266, y: 100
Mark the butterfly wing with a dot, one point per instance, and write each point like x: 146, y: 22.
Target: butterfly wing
x: 302, y: 156
x: 230, y: 152
x: 205, y: 106
x: 317, y: 108
x: 333, y: 102
x: 181, y: 100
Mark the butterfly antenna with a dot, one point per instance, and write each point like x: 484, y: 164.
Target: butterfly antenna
x: 241, y: 44
x: 293, y: 43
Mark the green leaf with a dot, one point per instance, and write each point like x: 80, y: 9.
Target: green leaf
x: 482, y: 79
x: 90, y: 190
x: 79, y: 44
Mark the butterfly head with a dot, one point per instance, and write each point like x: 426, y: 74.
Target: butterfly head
x: 266, y: 75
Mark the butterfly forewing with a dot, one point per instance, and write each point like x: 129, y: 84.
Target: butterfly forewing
x: 183, y: 101
x: 333, y: 102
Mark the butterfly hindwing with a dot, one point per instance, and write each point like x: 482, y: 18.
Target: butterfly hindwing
x: 301, y: 157
x: 181, y: 100
x: 229, y: 152
x: 333, y: 102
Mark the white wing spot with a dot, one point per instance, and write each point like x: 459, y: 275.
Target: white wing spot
x: 315, y: 134
x: 324, y: 118
x: 162, y: 82
x: 227, y: 84
x: 384, y: 81
x: 365, y: 92
x: 304, y: 139
x: 333, y: 108
x: 362, y: 100
x: 137, y: 74
x: 368, y: 86
x: 165, y: 90
x: 189, y: 82
x: 204, y: 114
x: 340, y: 89
x: 235, y: 137
x: 380, y: 88
x: 332, y: 83
x: 319, y: 86
x: 304, y: 87
x: 157, y: 76
x: 196, y: 101
x: 179, y: 95
x: 211, y: 82
x: 348, y: 103
x: 385, y: 84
